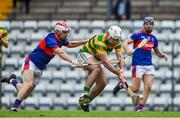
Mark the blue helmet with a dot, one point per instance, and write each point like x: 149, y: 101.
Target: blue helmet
x: 148, y: 19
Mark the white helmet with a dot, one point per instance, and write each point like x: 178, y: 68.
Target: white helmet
x: 62, y: 26
x: 115, y: 32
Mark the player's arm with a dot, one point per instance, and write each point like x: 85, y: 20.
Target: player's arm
x: 160, y: 54
x: 77, y: 43
x: 119, y: 56
x: 4, y: 40
x: 125, y: 46
x: 66, y: 57
x: 106, y: 63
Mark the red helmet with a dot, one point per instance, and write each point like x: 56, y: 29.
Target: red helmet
x: 62, y: 27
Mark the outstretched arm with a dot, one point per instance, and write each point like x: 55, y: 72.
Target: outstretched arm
x: 77, y: 43
x: 66, y: 57
x: 160, y: 54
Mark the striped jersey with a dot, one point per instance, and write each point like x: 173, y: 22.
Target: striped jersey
x: 143, y: 56
x: 99, y: 44
x: 44, y: 52
x: 3, y: 36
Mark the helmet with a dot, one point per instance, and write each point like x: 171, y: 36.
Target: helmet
x: 62, y: 26
x: 115, y: 32
x: 148, y: 19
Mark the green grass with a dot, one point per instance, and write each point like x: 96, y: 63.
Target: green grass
x: 78, y: 113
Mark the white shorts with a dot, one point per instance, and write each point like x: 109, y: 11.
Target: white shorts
x: 29, y: 65
x: 83, y: 56
x: 139, y: 71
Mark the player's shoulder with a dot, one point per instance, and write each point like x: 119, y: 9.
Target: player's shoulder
x: 98, y: 36
x: 153, y: 36
x: 50, y: 37
x: 101, y: 37
x: 140, y: 31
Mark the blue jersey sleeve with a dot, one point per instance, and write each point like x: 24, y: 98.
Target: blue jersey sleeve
x: 155, y: 43
x: 134, y: 37
x: 50, y: 41
x: 65, y: 42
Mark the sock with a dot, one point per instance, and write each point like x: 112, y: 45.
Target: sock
x: 91, y: 98
x: 14, y: 82
x: 86, y: 90
x: 139, y: 106
x: 17, y: 103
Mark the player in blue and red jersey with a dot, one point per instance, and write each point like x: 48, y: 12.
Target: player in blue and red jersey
x: 38, y: 59
x: 142, y: 67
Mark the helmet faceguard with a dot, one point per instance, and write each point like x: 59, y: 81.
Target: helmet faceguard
x: 62, y: 27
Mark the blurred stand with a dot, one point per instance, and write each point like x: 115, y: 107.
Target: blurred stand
x: 24, y: 5
x: 122, y: 10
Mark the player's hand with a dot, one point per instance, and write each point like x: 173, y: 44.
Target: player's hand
x: 121, y: 75
x: 165, y: 57
x: 77, y: 64
x: 129, y: 52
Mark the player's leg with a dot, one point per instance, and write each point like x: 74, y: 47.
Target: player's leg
x: 28, y: 84
x: 12, y: 80
x: 27, y: 87
x: 99, y: 85
x: 148, y: 81
x: 137, y: 73
x: 135, y: 84
x: 93, y: 72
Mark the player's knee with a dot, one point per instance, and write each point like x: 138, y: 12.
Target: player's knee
x: 135, y: 90
x: 148, y: 86
x: 97, y: 70
x: 31, y: 84
x: 104, y: 83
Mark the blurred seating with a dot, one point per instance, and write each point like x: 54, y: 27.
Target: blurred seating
x: 5, y: 102
x: 160, y: 103
x: 59, y: 103
x: 45, y: 103
x: 72, y: 103
x: 31, y: 103
x: 40, y: 90
x: 116, y: 103
x: 176, y: 103
x: 102, y: 103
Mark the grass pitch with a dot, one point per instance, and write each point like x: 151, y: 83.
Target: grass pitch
x: 78, y: 113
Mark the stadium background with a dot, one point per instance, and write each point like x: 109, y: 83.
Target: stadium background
x: 61, y: 85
